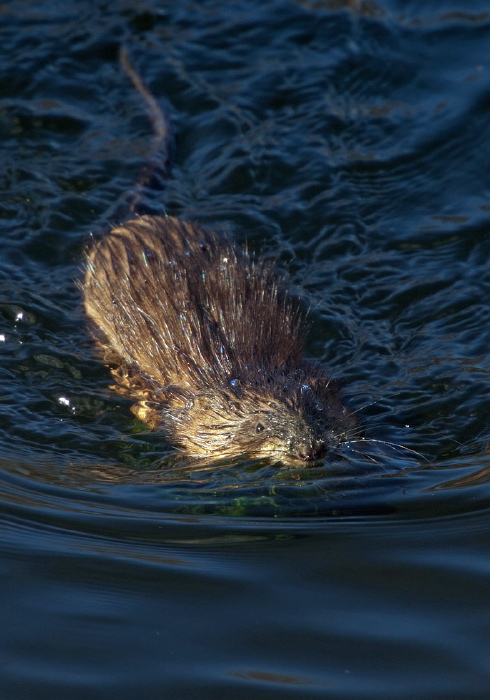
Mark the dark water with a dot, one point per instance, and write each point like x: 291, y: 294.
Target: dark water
x: 351, y: 142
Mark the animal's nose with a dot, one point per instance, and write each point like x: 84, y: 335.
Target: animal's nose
x: 311, y: 451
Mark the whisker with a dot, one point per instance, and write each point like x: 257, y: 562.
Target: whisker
x: 366, y: 405
x: 395, y: 445
x: 364, y: 454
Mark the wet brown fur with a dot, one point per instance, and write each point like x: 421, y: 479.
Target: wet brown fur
x: 208, y: 345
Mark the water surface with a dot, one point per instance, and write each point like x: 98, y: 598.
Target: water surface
x: 349, y: 141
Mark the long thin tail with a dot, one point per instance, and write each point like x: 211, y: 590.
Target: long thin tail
x: 157, y: 167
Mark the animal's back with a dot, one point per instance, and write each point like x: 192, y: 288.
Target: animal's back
x: 186, y: 306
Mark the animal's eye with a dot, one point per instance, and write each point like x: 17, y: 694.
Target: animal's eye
x: 259, y: 428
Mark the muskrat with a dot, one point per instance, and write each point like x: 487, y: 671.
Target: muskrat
x: 202, y: 336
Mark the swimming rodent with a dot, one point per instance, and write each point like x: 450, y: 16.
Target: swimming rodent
x: 201, y: 335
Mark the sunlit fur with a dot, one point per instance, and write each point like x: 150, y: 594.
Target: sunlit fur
x: 201, y: 336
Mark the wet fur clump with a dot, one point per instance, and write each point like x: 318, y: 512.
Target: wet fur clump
x: 203, y: 339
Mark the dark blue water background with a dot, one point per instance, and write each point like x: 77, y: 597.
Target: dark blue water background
x: 350, y: 141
